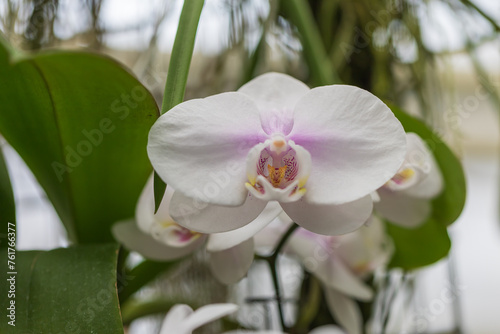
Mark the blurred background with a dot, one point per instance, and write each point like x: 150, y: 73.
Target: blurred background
x: 439, y: 59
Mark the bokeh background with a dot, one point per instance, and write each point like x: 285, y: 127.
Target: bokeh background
x: 440, y: 59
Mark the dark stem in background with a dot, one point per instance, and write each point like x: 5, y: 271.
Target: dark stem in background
x: 272, y: 261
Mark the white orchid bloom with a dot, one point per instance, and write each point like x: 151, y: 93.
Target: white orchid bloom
x: 318, y: 152
x: 341, y: 263
x: 405, y: 199
x: 326, y: 329
x: 159, y: 237
x: 181, y: 319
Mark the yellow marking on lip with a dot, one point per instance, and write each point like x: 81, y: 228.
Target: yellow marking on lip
x: 276, y: 174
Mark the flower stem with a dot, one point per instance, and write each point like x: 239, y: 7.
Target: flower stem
x: 272, y: 261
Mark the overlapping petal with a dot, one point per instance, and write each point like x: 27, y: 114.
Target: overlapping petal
x: 231, y: 265
x: 208, y: 218
x: 200, y: 146
x: 330, y: 219
x: 401, y: 209
x: 221, y: 241
x: 356, y: 142
x: 128, y: 234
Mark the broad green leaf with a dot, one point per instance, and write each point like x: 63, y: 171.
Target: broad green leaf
x: 448, y: 206
x: 178, y: 70
x: 67, y: 290
x: 419, y: 247
x: 80, y: 122
x: 7, y: 206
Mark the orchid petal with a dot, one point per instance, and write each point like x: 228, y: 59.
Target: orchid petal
x: 276, y: 95
x: 221, y: 241
x: 145, y: 210
x: 317, y: 254
x: 330, y: 219
x: 132, y: 238
x: 174, y: 318
x: 200, y: 147
x: 231, y: 265
x: 267, y: 239
x: 327, y: 329
x: 182, y: 320
x: 206, y: 314
x: 345, y: 311
x: 366, y: 249
x: 356, y: 143
x: 336, y: 275
x: 402, y: 209
x: 208, y: 218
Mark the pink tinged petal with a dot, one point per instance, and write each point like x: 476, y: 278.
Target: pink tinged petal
x: 221, y: 241
x: 327, y: 329
x: 200, y: 147
x: 356, y: 143
x: 336, y: 275
x: 330, y: 219
x: 129, y: 235
x: 207, y: 218
x: 174, y: 318
x: 402, y: 209
x: 231, y: 265
x: 144, y: 211
x: 276, y: 95
x: 345, y: 311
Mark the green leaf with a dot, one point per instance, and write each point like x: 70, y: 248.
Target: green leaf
x: 70, y: 290
x: 419, y: 247
x: 178, y: 70
x: 80, y: 121
x: 448, y: 206
x: 7, y: 205
x: 300, y: 14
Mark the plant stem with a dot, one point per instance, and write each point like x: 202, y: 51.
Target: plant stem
x: 178, y: 70
x: 272, y: 261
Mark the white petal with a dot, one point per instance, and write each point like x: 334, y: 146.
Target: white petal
x: 144, y: 211
x: 431, y: 182
x: 327, y: 329
x: 317, y: 254
x: 345, y: 311
x: 356, y: 143
x: 231, y: 265
x: 128, y: 234
x: 206, y: 314
x: 200, y: 147
x: 174, y: 318
x: 336, y: 275
x: 401, y: 209
x: 267, y: 239
x: 208, y: 218
x: 330, y: 219
x: 365, y: 249
x: 276, y: 95
x: 221, y: 241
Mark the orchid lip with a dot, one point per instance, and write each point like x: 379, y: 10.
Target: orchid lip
x: 278, y: 170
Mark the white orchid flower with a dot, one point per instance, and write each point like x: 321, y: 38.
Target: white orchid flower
x: 181, y: 319
x: 341, y: 263
x: 405, y: 199
x: 159, y: 237
x: 318, y: 152
x: 326, y: 329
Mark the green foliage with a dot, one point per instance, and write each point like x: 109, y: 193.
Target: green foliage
x: 178, y: 70
x: 71, y: 290
x: 80, y: 122
x: 430, y: 242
